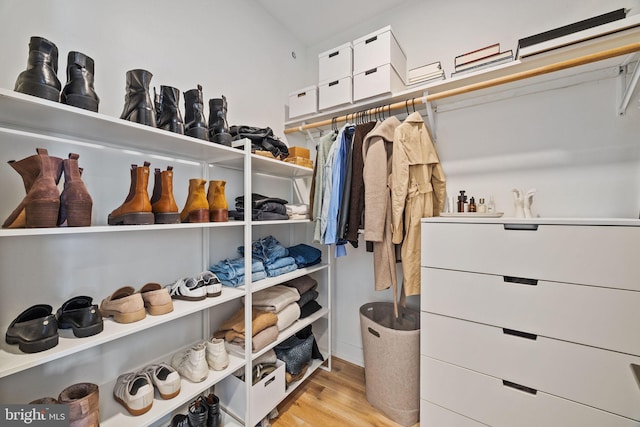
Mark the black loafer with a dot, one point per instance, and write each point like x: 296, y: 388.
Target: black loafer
x: 81, y: 315
x: 34, y: 330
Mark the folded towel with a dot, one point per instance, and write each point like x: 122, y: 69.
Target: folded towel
x: 298, y: 216
x: 274, y: 299
x: 260, y: 321
x: 299, y: 209
x: 302, y: 283
x: 260, y: 340
x: 288, y: 315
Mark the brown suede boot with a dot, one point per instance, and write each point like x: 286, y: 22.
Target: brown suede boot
x: 84, y: 405
x: 40, y: 174
x: 136, y: 209
x: 163, y: 205
x: 196, y: 209
x: 218, y: 206
x: 75, y: 200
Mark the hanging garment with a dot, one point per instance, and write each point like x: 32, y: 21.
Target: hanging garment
x: 418, y: 191
x: 331, y: 171
x: 317, y: 186
x: 377, y: 150
x: 356, y: 193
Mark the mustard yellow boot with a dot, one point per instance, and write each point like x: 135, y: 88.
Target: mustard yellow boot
x: 196, y: 209
x: 218, y: 206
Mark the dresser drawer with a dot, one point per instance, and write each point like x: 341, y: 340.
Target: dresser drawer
x: 498, y: 403
x: 436, y: 416
x: 599, y: 378
x: 591, y: 255
x: 601, y: 317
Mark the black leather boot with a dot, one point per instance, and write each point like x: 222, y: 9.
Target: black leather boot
x: 218, y: 127
x: 195, y: 123
x: 170, y: 118
x: 213, y: 407
x: 79, y: 90
x: 198, y: 412
x: 137, y: 101
x: 157, y: 103
x: 40, y: 79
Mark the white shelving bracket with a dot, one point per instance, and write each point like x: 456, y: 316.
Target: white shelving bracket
x: 431, y: 115
x: 626, y: 90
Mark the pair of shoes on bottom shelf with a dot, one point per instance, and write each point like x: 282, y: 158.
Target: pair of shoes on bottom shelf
x: 203, y: 412
x: 135, y: 390
x: 83, y: 400
x: 206, y: 284
x: 36, y: 328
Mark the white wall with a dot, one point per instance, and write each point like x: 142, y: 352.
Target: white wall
x: 567, y: 143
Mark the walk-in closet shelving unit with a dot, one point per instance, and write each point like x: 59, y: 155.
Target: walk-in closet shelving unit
x: 51, y: 265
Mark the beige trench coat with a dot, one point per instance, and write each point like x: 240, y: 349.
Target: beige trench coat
x: 418, y: 191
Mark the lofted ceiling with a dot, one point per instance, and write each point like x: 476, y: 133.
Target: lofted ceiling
x: 312, y: 21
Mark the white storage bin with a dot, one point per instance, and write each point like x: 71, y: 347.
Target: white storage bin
x: 379, y: 48
x: 336, y: 92
x: 265, y: 395
x: 335, y: 63
x: 303, y: 101
x: 376, y: 81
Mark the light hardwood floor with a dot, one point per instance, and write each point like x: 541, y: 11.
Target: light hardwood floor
x: 331, y: 399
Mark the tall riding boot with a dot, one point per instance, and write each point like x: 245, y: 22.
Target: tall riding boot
x: 75, y: 200
x: 195, y: 123
x: 218, y: 127
x: 213, y: 406
x: 196, y: 209
x: 30, y: 169
x: 136, y: 209
x: 79, y: 90
x: 84, y: 404
x: 163, y: 205
x: 170, y: 118
x: 40, y: 79
x: 218, y: 206
x: 137, y: 102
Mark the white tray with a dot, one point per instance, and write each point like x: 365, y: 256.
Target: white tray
x: 472, y: 214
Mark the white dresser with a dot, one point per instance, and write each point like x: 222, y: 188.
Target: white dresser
x: 530, y: 323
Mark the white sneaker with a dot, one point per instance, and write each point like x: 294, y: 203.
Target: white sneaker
x: 165, y: 379
x: 187, y: 289
x: 217, y: 356
x: 192, y: 363
x: 134, y: 391
x: 211, y: 282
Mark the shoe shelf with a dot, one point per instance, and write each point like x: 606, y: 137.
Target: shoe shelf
x: 313, y: 366
x: 295, y: 327
x: 35, y: 117
x: 13, y: 361
x: 272, y: 281
x: 113, y: 413
x: 113, y: 228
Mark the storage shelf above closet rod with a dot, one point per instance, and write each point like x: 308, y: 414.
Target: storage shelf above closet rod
x: 546, y: 69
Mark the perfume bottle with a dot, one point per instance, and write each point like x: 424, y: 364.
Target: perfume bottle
x: 481, y: 208
x: 472, y: 205
x: 491, y: 206
x: 462, y: 199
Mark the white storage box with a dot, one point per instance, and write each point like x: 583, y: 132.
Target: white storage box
x: 376, y: 81
x: 336, y: 63
x: 336, y: 92
x: 265, y: 395
x: 379, y: 48
x: 303, y: 101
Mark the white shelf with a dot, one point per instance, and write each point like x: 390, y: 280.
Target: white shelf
x: 282, y: 222
x: 272, y: 281
x: 113, y: 228
x: 315, y: 365
x: 33, y: 114
x: 295, y: 327
x: 271, y: 167
x: 113, y: 413
x: 628, y: 222
x: 12, y: 360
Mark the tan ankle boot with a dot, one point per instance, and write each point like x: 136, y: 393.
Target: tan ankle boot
x: 163, y: 205
x: 40, y: 174
x: 75, y: 200
x: 84, y: 404
x: 196, y: 209
x: 136, y: 208
x: 218, y: 206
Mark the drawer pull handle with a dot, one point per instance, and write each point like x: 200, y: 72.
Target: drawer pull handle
x: 300, y: 95
x: 269, y: 381
x: 521, y: 227
x: 371, y: 71
x: 372, y: 39
x: 520, y: 280
x: 334, y: 83
x: 521, y: 334
x: 331, y: 55
x: 373, y: 332
x: 519, y: 387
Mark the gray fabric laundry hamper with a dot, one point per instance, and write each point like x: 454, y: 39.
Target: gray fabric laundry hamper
x: 392, y: 360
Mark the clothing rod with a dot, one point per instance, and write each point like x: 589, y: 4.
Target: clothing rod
x: 545, y: 69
